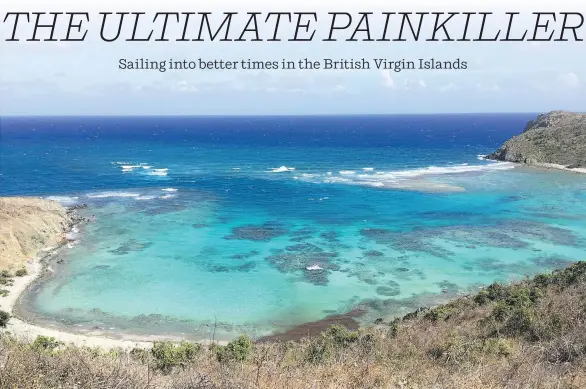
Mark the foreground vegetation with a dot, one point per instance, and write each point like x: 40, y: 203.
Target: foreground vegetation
x: 530, y: 335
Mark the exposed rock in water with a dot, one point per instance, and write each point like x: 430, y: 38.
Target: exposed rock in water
x: 555, y: 138
x: 304, y: 256
x: 28, y: 225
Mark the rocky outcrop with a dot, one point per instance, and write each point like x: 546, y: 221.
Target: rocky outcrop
x: 554, y: 138
x: 28, y: 225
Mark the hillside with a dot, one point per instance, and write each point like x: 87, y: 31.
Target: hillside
x: 554, y: 138
x: 528, y: 335
x: 28, y: 225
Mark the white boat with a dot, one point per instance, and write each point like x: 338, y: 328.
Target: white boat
x: 314, y: 267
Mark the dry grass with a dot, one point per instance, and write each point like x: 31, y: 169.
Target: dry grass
x: 530, y: 335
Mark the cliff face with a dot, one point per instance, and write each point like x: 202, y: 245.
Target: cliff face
x: 554, y: 138
x: 28, y: 225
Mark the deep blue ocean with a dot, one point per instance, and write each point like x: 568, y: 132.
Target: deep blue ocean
x: 259, y: 224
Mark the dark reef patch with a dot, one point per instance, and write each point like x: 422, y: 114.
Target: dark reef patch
x: 556, y: 216
x: 169, y: 208
x: 543, y: 232
x: 447, y: 285
x: 404, y: 273
x: 448, y: 215
x: 367, y: 275
x: 100, y: 267
x: 373, y: 254
x: 496, y: 267
x: 317, y: 277
x: 262, y: 233
x: 380, y: 235
x: 330, y: 236
x: 511, y: 199
x: 199, y: 225
x: 305, y: 231
x: 129, y: 246
x: 417, y: 240
x: 244, y: 268
x: 389, y: 290
x: 300, y: 256
x: 511, y: 234
x: 305, y: 248
x: 552, y: 261
x: 245, y: 255
x: 208, y: 251
x: 300, y: 238
x: 152, y: 319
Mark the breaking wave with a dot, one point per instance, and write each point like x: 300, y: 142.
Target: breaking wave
x: 282, y: 169
x: 407, y: 179
x: 105, y: 195
x: 158, y: 172
x: 64, y: 200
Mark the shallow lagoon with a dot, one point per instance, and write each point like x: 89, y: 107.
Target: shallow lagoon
x: 194, y: 234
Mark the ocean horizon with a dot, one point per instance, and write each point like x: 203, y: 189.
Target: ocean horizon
x: 258, y: 224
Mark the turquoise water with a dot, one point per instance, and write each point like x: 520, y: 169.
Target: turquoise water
x: 215, y: 225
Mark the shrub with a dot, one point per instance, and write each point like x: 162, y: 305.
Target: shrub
x: 393, y: 329
x: 500, y: 312
x: 139, y: 354
x: 318, y: 351
x: 340, y: 335
x: 367, y: 343
x: 549, y: 326
x: 520, y: 322
x: 413, y: 315
x: 4, y: 317
x: 542, y: 280
x: 460, y: 349
x: 334, y: 338
x: 454, y: 349
x: 513, y: 300
x: 571, y: 275
x: 563, y: 351
x: 21, y: 272
x: 168, y: 355
x: 4, y: 292
x: 45, y: 343
x: 523, y: 297
x: 493, y: 292
x: 502, y: 347
x: 239, y: 350
x: 443, y: 312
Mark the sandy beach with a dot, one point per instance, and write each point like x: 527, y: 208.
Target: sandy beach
x: 559, y: 167
x: 29, y: 331
x: 548, y: 166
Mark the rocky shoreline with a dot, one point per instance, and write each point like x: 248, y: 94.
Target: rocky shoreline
x: 556, y: 140
x: 55, y: 224
x: 28, y: 225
